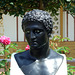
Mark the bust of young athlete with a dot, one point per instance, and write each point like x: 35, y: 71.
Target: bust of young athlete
x: 40, y: 59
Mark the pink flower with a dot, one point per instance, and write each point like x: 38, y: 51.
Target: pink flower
x: 0, y: 40
x: 27, y: 48
x: 5, y: 40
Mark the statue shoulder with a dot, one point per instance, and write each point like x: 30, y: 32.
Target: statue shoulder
x: 59, y: 58
x: 56, y: 58
x: 55, y: 55
x: 21, y: 57
x: 24, y: 58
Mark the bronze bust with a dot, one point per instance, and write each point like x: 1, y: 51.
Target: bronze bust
x: 40, y: 59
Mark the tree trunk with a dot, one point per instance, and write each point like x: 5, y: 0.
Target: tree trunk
x: 41, y: 5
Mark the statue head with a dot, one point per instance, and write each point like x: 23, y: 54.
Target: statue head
x: 40, y: 16
x: 37, y: 25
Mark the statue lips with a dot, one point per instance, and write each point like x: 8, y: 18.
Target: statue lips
x: 34, y: 44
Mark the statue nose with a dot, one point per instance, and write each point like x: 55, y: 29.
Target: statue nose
x: 32, y: 35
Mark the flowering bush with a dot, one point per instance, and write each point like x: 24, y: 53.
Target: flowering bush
x: 54, y: 45
x: 6, y: 44
x: 5, y: 40
x: 27, y: 48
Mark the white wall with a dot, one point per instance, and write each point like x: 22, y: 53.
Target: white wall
x: 70, y: 27
x: 10, y: 28
x: 9, y: 23
x: 20, y: 31
x: 64, y: 25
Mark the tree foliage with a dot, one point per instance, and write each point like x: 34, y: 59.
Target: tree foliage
x: 19, y: 7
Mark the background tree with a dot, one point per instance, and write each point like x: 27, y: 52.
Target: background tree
x: 19, y: 7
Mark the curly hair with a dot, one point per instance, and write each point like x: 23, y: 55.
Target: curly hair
x: 40, y: 16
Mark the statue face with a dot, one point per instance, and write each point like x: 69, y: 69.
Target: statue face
x: 36, y: 34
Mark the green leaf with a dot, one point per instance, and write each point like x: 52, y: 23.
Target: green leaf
x: 20, y: 50
x: 69, y: 58
x: 69, y: 73
x: 12, y: 46
x: 8, y: 56
x: 2, y: 63
x: 7, y: 51
x: 2, y: 73
x: 67, y: 48
x: 67, y: 38
x: 11, y: 3
x: 51, y: 44
x: 2, y: 52
x: 66, y: 51
x: 72, y: 67
x: 7, y: 47
x: 62, y: 39
x: 15, y: 44
x: 59, y: 49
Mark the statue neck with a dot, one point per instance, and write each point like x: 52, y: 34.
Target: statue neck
x: 41, y: 52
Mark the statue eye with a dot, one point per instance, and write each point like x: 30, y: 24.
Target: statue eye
x: 37, y: 31
x: 27, y: 31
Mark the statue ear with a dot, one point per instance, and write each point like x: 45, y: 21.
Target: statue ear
x: 49, y: 34
x: 23, y: 28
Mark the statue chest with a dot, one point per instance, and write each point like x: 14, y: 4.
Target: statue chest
x: 41, y: 67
